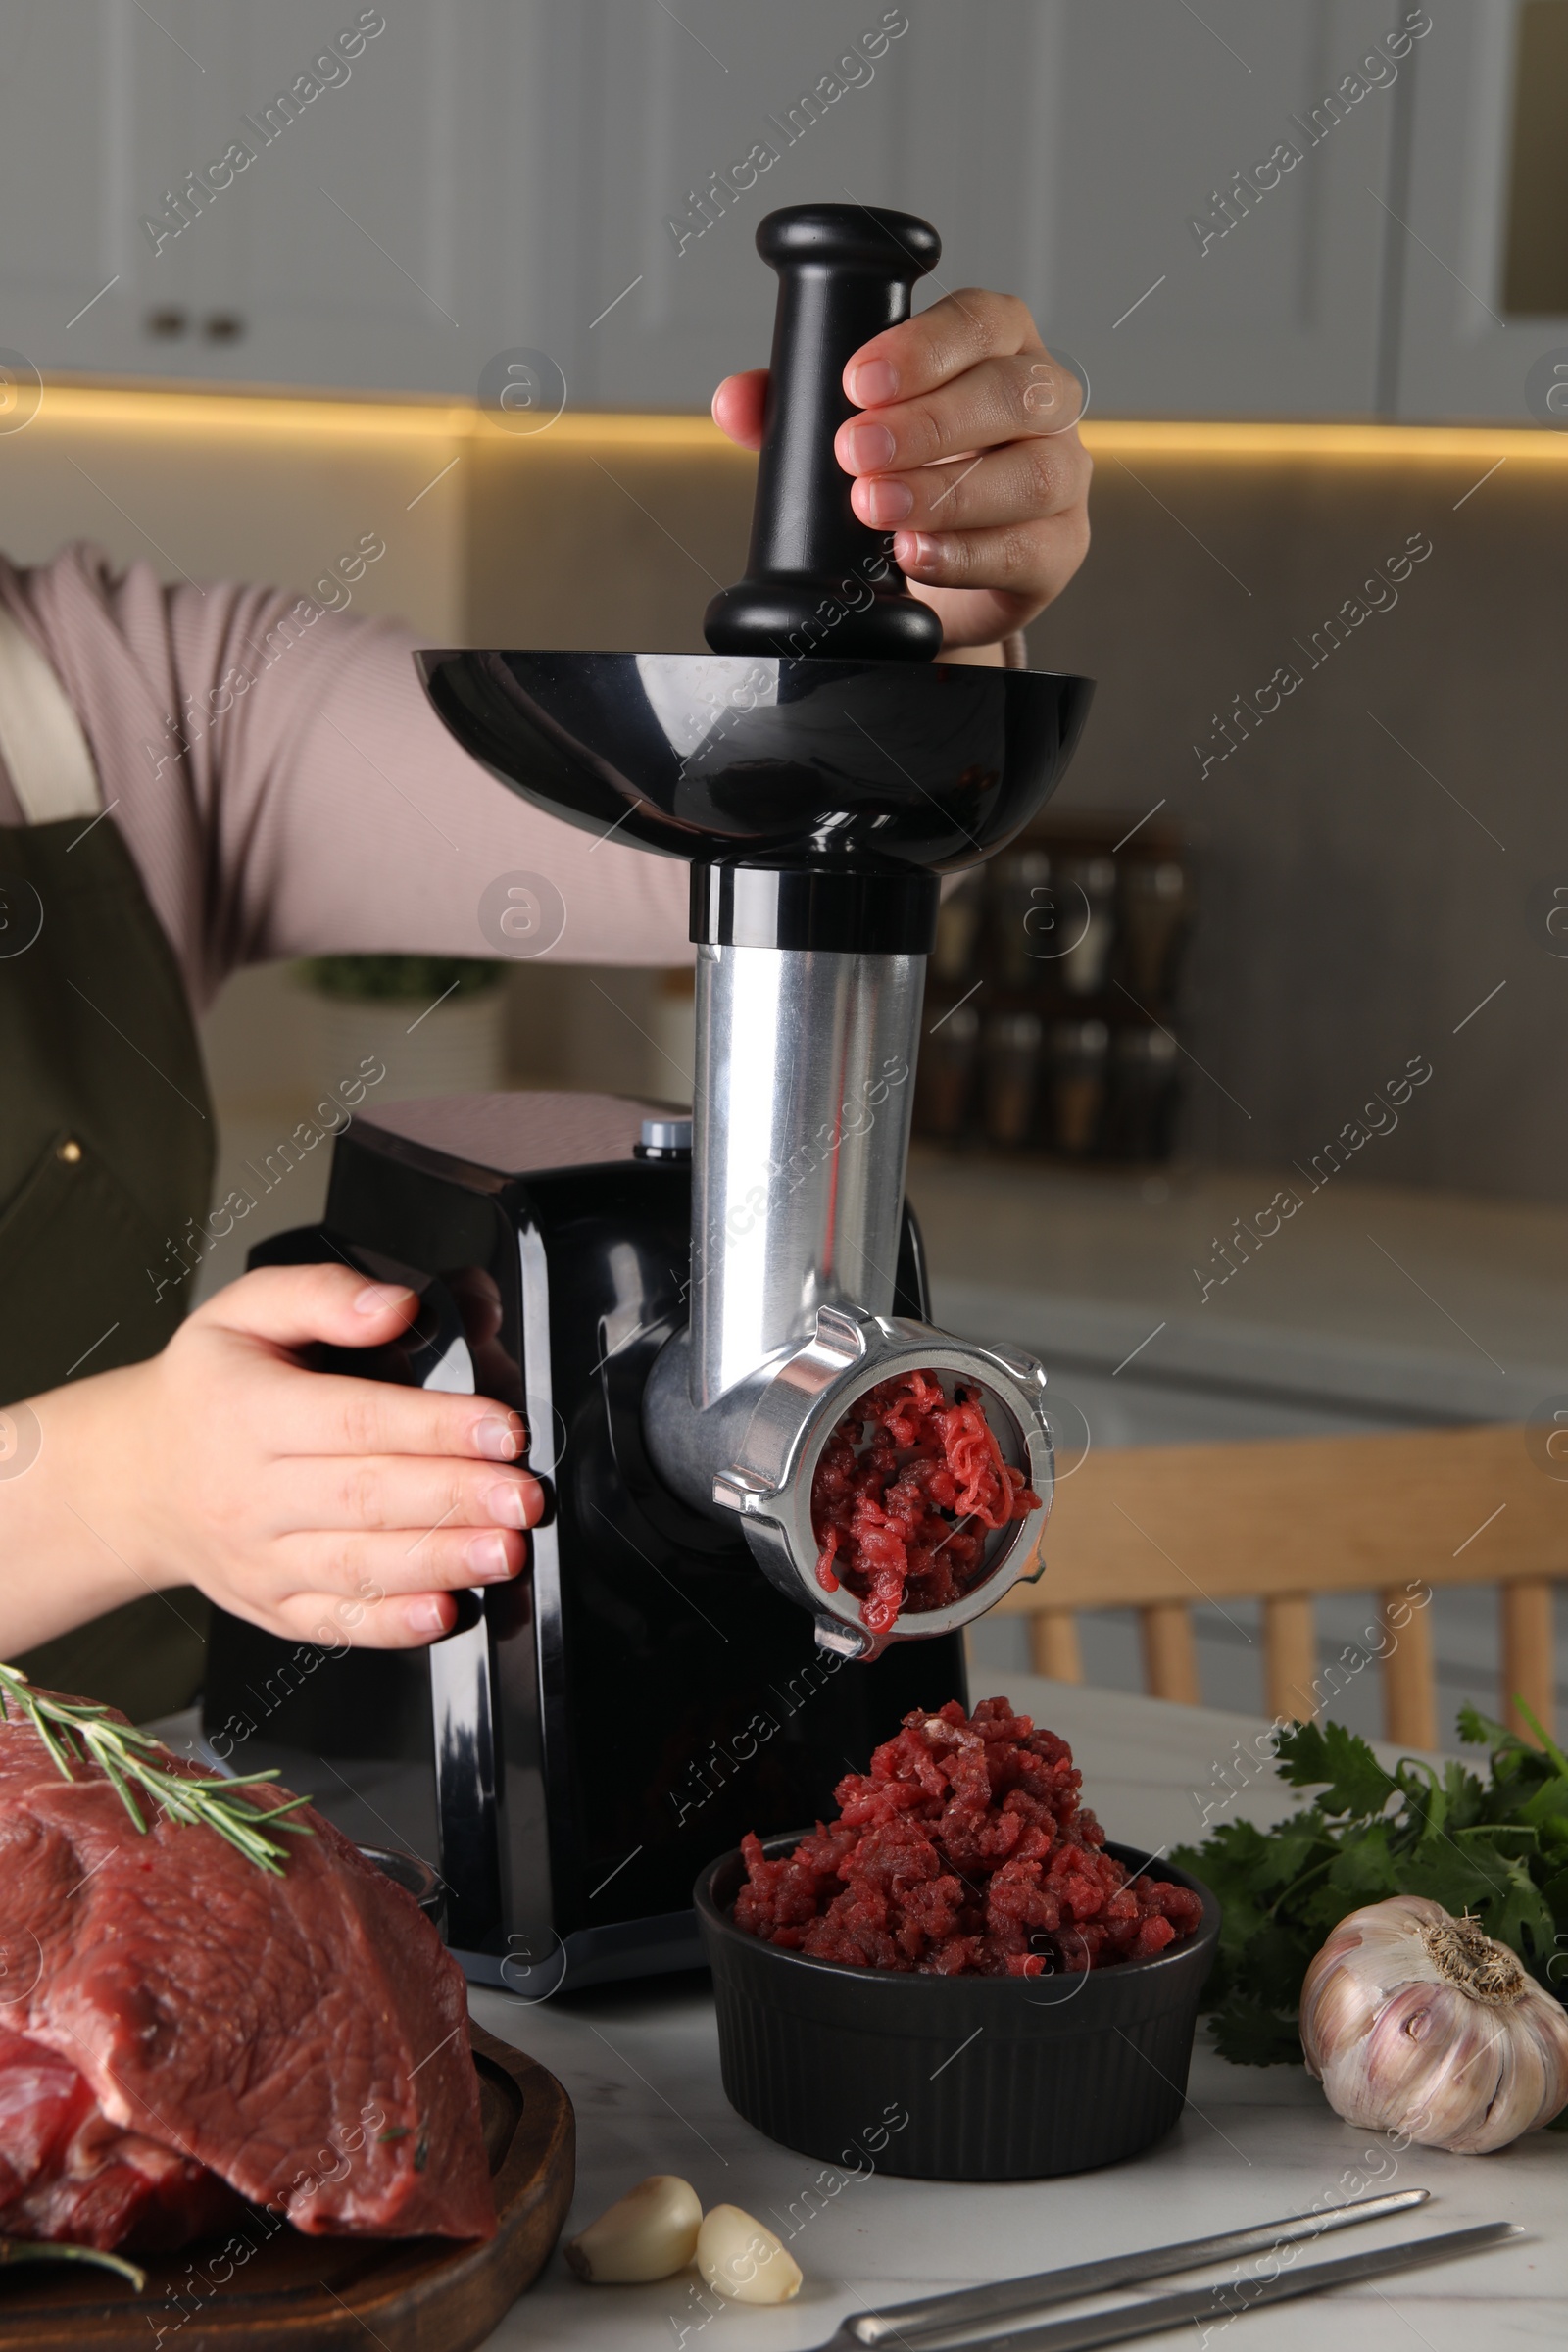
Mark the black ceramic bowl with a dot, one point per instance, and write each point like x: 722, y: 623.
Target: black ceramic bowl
x: 999, y: 2078
x: 413, y: 1875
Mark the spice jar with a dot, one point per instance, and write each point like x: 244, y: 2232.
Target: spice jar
x: 1027, y: 924
x: 1077, y: 1085
x: 1156, y: 903
x: 1087, y: 887
x: 1011, y: 1076
x: 944, y: 1084
x: 957, y: 931
x: 1142, y: 1098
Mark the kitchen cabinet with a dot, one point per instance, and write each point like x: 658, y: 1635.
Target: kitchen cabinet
x: 1337, y: 208
x: 1297, y: 211
x: 1482, y: 268
x: 300, y: 195
x: 62, y: 171
x: 1204, y: 214
x: 715, y: 120
x: 1113, y: 160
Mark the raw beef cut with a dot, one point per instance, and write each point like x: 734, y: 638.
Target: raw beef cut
x: 176, y: 2019
x: 66, y: 2173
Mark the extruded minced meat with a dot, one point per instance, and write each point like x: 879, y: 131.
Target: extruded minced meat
x: 908, y: 1490
x: 180, y: 2031
x: 963, y: 1852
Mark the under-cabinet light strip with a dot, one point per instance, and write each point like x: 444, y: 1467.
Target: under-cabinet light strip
x: 177, y: 409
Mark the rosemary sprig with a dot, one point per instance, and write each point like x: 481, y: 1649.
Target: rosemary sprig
x: 27, y: 2249
x: 80, y: 1731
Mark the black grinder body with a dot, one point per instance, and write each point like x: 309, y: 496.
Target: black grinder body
x: 641, y: 1696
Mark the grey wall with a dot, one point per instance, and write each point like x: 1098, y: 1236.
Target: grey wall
x: 1352, y: 913
x: 1358, y: 899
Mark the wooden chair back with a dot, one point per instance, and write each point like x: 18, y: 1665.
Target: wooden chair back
x: 1158, y: 1529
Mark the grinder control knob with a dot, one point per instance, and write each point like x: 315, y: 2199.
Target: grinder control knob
x: 663, y: 1139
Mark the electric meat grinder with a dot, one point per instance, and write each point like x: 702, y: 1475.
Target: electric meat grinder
x: 684, y: 1309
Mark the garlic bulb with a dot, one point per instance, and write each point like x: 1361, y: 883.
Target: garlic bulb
x: 651, y: 2232
x: 739, y: 2258
x: 1416, y: 2021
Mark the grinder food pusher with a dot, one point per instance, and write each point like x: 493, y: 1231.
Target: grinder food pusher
x: 685, y: 1311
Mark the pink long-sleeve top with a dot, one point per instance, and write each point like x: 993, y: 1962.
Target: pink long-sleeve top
x: 285, y: 789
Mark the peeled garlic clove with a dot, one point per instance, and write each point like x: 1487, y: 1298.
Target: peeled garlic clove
x: 1418, y: 2023
x: 651, y: 2232
x: 739, y: 2258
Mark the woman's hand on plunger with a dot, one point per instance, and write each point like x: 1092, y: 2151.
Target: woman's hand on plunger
x: 325, y: 1508
x: 966, y: 449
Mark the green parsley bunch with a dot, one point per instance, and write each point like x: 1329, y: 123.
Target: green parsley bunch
x: 1494, y: 1847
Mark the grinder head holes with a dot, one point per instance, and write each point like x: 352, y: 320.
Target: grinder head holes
x: 920, y: 1493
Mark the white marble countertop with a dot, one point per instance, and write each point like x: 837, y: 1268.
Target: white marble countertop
x: 641, y: 2064
x: 1396, y: 1304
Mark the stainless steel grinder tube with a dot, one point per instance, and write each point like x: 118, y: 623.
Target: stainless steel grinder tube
x: 800, y: 1131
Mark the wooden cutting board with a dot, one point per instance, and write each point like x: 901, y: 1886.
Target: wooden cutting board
x: 333, y: 2294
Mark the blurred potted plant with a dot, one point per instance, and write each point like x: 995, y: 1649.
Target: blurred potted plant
x: 437, y: 1021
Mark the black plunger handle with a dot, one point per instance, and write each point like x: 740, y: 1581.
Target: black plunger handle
x: 818, y: 581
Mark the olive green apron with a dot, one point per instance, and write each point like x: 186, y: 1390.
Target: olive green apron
x: 107, y: 1139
